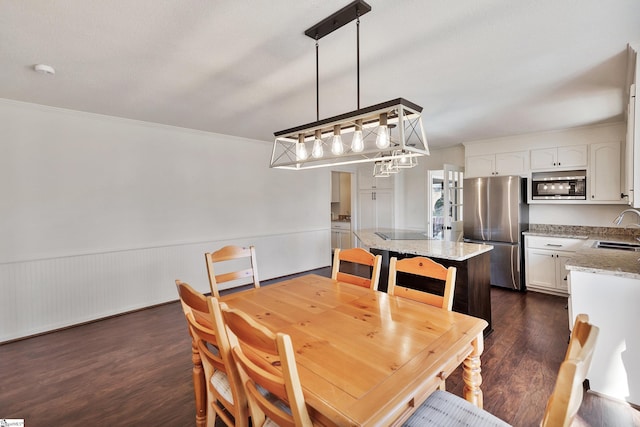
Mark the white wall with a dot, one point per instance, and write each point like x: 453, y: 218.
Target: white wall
x: 76, y: 185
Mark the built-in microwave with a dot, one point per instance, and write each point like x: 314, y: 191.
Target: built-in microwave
x: 564, y: 185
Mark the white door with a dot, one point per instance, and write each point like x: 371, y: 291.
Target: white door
x: 453, y: 186
x: 435, y: 200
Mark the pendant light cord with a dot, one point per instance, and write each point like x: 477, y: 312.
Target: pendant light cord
x: 358, y: 52
x: 317, y: 83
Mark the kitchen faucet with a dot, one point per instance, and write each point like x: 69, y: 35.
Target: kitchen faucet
x: 618, y: 220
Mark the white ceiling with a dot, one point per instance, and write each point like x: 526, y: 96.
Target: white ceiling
x: 480, y: 69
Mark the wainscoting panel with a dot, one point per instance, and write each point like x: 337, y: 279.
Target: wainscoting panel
x: 42, y: 295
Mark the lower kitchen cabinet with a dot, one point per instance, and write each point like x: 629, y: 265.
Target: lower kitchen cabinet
x: 341, y: 235
x: 545, y: 259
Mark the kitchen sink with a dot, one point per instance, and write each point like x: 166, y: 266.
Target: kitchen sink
x: 624, y: 246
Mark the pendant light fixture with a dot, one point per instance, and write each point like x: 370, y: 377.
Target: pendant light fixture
x: 371, y: 140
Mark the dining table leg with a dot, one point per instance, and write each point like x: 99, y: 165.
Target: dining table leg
x: 471, y: 373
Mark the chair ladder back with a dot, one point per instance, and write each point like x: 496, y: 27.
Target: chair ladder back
x: 267, y: 360
x: 425, y: 267
x: 216, y: 357
x: 565, y: 401
x: 190, y: 299
x: 193, y: 302
x: 229, y: 253
x: 357, y: 256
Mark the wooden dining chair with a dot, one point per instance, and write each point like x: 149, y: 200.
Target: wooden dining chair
x: 566, y: 398
x: 231, y: 253
x: 266, y: 362
x: 361, y: 257
x: 424, y: 267
x: 226, y: 398
x: 444, y: 408
x: 195, y: 303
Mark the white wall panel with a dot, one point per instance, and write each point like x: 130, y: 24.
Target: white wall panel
x: 99, y: 215
x: 42, y: 295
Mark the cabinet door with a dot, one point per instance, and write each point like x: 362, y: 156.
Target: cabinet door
x: 541, y: 268
x: 345, y: 240
x: 384, y: 208
x: 335, y: 187
x: 605, y: 172
x: 365, y: 176
x: 366, y: 209
x: 480, y: 166
x: 335, y: 239
x: 511, y: 163
x: 367, y: 181
x: 544, y: 158
x: 562, y: 273
x: 572, y: 156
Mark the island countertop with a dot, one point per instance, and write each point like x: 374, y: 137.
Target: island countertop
x: 455, y: 251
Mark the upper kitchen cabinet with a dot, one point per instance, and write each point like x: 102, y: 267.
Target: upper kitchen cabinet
x: 513, y: 163
x: 632, y: 147
x: 605, y: 177
x: 366, y: 180
x: 572, y: 156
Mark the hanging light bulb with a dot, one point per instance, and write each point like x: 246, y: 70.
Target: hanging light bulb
x: 301, y: 149
x: 317, y: 151
x: 382, y: 140
x: 357, y: 144
x: 336, y: 146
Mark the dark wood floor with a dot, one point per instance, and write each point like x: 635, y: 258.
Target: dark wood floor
x: 135, y: 369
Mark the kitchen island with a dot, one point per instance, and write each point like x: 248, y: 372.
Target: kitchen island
x: 473, y: 290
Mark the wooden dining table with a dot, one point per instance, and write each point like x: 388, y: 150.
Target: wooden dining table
x: 364, y: 357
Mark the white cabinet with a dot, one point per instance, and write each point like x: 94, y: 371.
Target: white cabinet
x: 571, y: 156
x: 341, y: 235
x: 605, y: 176
x: 335, y: 187
x: 545, y: 260
x: 375, y: 209
x: 375, y: 199
x: 513, y: 163
x: 366, y: 180
x: 632, y: 153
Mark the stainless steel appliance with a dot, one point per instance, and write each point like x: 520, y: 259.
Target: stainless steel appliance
x: 565, y: 185
x: 495, y: 212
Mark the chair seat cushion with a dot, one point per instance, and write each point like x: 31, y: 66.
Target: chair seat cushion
x: 444, y: 409
x: 220, y: 382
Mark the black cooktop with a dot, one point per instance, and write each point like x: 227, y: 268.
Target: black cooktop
x: 403, y: 235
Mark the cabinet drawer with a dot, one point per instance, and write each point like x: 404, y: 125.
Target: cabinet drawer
x: 341, y: 226
x: 554, y: 243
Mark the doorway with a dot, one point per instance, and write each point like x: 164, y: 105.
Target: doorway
x: 444, y: 198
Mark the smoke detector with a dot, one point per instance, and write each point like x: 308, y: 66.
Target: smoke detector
x: 44, y: 69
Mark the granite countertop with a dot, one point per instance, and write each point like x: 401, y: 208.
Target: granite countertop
x: 613, y: 262
x: 455, y: 251
x: 567, y: 234
x: 589, y: 259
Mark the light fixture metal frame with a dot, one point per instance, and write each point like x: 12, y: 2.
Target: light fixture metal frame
x: 409, y: 142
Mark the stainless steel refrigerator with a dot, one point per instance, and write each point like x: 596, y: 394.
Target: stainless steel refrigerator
x: 495, y: 212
